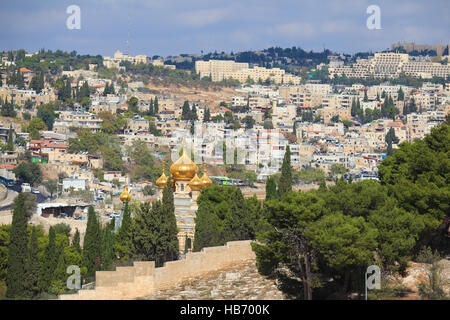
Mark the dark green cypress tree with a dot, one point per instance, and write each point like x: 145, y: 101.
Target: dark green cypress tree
x: 85, y: 91
x: 389, y: 148
x: 150, y: 108
x: 366, y: 99
x: 41, y: 82
x: 194, y: 113
x: 169, y: 223
x: 271, y: 188
x: 10, y: 144
x: 17, y: 250
x: 92, y: 244
x: 49, y: 262
x: 186, y: 111
x: 123, y: 246
x: 76, y: 241
x: 156, y: 106
x: 112, y: 89
x: 353, y: 109
x: 285, y: 183
x: 235, y: 223
x: 108, y: 247
x: 106, y: 90
x: 33, y: 267
x: 207, y: 115
x: 59, y: 277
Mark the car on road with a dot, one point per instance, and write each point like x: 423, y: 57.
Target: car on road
x: 35, y: 191
x: 25, y: 187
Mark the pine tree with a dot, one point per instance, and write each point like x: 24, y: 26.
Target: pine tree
x: 92, y: 244
x: 49, y: 263
x: 32, y: 266
x: 112, y: 90
x: 17, y: 250
x: 285, y: 183
x: 366, y: 99
x: 271, y: 188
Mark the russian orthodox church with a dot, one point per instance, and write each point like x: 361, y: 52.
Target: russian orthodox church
x: 186, y: 186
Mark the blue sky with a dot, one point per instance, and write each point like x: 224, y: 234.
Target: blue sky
x: 171, y: 27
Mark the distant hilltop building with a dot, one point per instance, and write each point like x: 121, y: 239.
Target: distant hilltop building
x: 219, y: 70
x: 119, y: 57
x: 390, y: 65
x: 441, y: 49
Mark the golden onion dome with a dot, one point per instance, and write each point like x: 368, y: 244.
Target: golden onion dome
x: 195, y: 184
x: 184, y: 168
x: 161, y: 182
x: 205, y: 179
x: 125, y: 196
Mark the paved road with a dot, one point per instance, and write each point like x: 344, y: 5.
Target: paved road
x: 41, y: 197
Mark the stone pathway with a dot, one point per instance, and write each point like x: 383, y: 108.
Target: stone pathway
x: 241, y: 282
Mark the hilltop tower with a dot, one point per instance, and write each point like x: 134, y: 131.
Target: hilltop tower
x: 187, y: 187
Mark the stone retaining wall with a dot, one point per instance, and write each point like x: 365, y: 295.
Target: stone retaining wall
x: 144, y: 279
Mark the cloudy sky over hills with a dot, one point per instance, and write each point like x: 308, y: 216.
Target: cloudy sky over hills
x: 171, y: 27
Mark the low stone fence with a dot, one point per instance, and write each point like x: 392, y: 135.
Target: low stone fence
x: 143, y: 278
x: 3, y: 192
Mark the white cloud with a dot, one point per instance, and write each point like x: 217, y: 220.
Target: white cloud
x: 201, y: 18
x: 293, y: 29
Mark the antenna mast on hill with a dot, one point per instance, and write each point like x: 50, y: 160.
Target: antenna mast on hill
x: 128, y: 39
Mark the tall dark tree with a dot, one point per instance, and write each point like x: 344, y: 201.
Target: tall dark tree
x: 156, y: 106
x: 49, y: 262
x: 186, y: 111
x: 108, y: 247
x: 285, y: 183
x: 194, y: 113
x: 401, y: 95
x: 170, y: 223
x: 33, y: 266
x: 10, y: 144
x: 84, y: 91
x: 17, y: 250
x: 207, y: 115
x: 92, y: 244
x: 271, y: 188
x: 123, y: 245
x: 76, y: 241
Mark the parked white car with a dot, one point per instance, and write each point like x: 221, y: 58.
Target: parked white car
x: 26, y: 187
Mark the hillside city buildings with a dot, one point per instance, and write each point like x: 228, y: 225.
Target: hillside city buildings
x: 257, y: 123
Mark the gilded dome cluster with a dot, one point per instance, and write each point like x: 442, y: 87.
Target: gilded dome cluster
x: 184, y: 169
x: 125, y: 196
